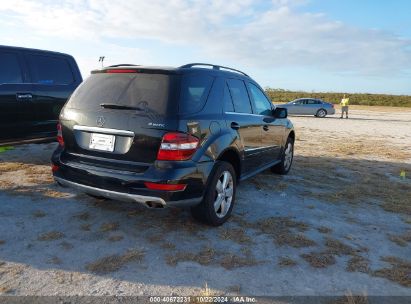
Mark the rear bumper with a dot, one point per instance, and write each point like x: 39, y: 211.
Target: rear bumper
x: 123, y: 185
x: 148, y: 201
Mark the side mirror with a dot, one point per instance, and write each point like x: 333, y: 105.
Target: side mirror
x: 280, y: 113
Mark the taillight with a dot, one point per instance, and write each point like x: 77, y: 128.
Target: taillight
x: 177, y: 146
x: 54, y: 168
x: 165, y: 187
x: 121, y: 71
x: 60, y: 135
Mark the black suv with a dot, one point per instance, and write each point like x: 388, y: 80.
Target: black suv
x: 170, y: 137
x: 34, y: 86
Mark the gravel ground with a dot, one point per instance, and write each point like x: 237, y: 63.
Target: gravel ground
x: 339, y: 223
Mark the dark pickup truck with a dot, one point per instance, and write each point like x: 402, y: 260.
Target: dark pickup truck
x: 34, y: 86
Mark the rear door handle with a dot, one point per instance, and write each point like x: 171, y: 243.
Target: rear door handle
x: 265, y: 128
x: 24, y: 96
x: 235, y: 125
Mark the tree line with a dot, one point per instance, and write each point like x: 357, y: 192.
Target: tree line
x: 283, y: 96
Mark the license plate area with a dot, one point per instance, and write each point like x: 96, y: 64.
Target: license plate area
x: 102, y: 142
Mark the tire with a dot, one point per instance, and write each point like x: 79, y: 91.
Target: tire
x: 286, y: 158
x: 217, y: 196
x: 321, y: 113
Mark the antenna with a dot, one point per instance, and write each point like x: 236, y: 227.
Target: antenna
x: 101, y: 59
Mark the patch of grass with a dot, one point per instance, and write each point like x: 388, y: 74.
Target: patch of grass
x: 274, y: 224
x: 231, y: 261
x: 399, y: 272
x: 281, y: 229
x: 155, y: 238
x: 39, y: 213
x: 11, y: 167
x: 113, y: 263
x: 358, y: 264
x: 205, y: 257
x: 85, y: 227
x: 109, y: 227
x: 237, y: 235
x: 115, y: 238
x: 351, y: 299
x: 50, y: 236
x: 325, y: 230
x: 339, y: 248
x: 208, y: 256
x: 84, y: 216
x: 54, y: 194
x: 4, y: 289
x: 401, y: 240
x: 286, y: 262
x: 319, y: 259
x: 398, y: 205
x: 293, y: 240
x: 362, y: 146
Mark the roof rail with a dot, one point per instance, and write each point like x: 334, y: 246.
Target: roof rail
x: 122, y: 64
x: 215, y: 67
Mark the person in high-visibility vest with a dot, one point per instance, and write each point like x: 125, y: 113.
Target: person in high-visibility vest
x: 344, y: 106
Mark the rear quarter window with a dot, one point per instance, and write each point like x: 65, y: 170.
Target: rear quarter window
x: 49, y: 70
x: 10, y: 70
x: 194, y: 92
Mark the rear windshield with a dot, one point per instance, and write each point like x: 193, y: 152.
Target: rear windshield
x: 151, y: 91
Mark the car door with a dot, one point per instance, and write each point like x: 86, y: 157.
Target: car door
x: 295, y: 107
x: 313, y: 105
x: 273, y: 129
x: 239, y: 116
x: 16, y: 111
x: 53, y: 81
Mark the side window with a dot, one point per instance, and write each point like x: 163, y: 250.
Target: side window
x: 227, y: 100
x: 239, y: 95
x: 299, y: 102
x: 49, y: 70
x: 194, y: 92
x: 261, y: 103
x: 10, y: 71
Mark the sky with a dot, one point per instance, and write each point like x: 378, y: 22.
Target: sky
x: 311, y: 45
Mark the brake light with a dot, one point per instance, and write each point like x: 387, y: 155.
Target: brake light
x: 60, y: 135
x: 54, y: 168
x: 121, y: 71
x: 177, y: 146
x: 165, y: 187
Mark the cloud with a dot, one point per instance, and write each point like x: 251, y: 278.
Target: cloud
x: 252, y: 33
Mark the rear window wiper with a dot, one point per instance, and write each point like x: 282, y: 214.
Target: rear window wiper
x: 119, y: 107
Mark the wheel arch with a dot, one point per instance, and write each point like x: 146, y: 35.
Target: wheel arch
x: 232, y: 156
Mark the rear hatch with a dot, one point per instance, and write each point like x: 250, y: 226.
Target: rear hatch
x: 118, y: 117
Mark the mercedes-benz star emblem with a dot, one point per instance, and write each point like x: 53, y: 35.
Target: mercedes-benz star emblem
x: 100, y: 121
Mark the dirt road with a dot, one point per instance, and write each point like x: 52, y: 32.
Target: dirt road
x: 339, y: 222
